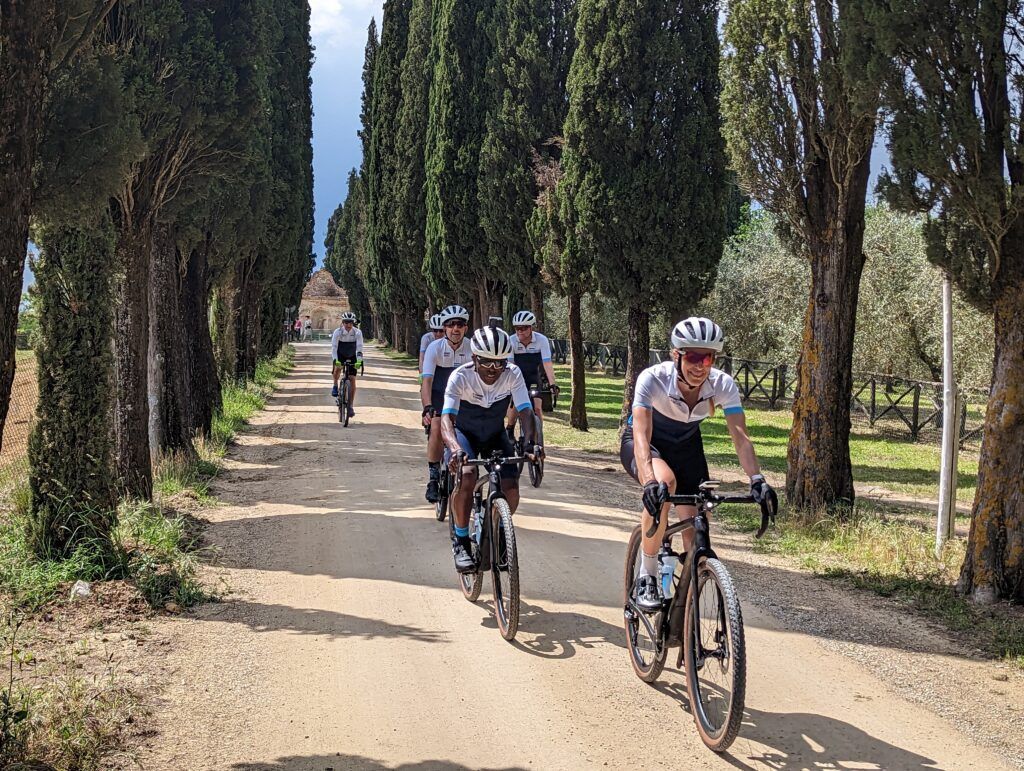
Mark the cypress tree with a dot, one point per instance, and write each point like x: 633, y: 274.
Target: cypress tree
x: 801, y: 103
x: 382, y: 181
x: 38, y: 40
x: 71, y: 477
x: 410, y: 175
x: 343, y: 242
x: 644, y: 180
x: 460, y: 50
x: 520, y: 80
x: 954, y: 99
x: 366, y: 101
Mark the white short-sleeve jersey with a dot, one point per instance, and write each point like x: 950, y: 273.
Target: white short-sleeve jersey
x: 425, y: 341
x: 657, y: 389
x: 346, y: 344
x: 538, y: 344
x: 441, y: 355
x: 466, y: 388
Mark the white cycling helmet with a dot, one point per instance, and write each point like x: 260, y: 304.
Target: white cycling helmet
x: 348, y: 316
x: 491, y: 343
x: 453, y: 312
x: 524, y: 319
x: 698, y: 332
x: 435, y: 322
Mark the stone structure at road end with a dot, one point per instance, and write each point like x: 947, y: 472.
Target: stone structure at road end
x: 323, y: 302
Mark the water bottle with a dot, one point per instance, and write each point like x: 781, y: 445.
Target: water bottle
x: 667, y: 571
x: 477, y: 528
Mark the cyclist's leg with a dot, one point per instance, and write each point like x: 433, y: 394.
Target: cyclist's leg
x: 538, y: 408
x: 352, y: 388
x: 662, y: 473
x: 691, y: 468
x: 335, y: 373
x: 509, y: 475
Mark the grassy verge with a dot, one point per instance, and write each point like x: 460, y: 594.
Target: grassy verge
x: 61, y: 714
x: 876, y: 550
x: 895, y: 465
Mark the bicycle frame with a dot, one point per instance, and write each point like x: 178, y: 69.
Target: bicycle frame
x: 492, y: 481
x: 673, y: 617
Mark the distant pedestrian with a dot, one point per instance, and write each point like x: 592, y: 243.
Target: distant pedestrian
x: 307, y: 331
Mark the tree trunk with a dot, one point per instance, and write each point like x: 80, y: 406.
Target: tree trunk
x: 578, y: 408
x: 819, y: 470
x: 131, y: 342
x: 638, y: 353
x: 994, y: 565
x: 537, y: 303
x: 412, y: 335
x: 72, y: 467
x: 173, y: 407
x: 248, y: 318
x: 26, y: 37
x: 225, y: 323
x: 204, y: 385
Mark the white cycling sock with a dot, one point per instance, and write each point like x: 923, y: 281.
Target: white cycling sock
x: 648, y: 564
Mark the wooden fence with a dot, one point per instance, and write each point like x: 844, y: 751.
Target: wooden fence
x: 896, y: 405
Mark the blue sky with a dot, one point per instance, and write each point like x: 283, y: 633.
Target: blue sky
x: 339, y: 35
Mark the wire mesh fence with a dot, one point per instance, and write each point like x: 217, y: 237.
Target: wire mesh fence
x: 20, y: 414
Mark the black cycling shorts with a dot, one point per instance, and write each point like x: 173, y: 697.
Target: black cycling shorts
x: 686, y: 459
x: 475, y: 448
x: 350, y: 361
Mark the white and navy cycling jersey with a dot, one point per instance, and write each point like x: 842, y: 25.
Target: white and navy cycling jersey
x: 425, y: 341
x: 657, y: 389
x: 480, y: 409
x: 439, y: 361
x: 530, y: 357
x: 346, y: 345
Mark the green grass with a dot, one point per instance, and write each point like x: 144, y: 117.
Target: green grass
x: 880, y: 550
x: 242, y: 400
x: 899, y: 466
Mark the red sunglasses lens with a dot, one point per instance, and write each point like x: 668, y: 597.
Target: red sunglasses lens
x: 699, y: 358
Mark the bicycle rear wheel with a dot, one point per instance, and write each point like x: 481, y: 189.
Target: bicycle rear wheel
x: 441, y: 505
x: 647, y: 651
x: 343, y: 398
x: 536, y: 470
x: 715, y: 656
x: 471, y: 583
x: 505, y: 569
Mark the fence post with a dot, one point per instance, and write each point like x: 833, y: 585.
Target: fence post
x: 782, y: 381
x: 915, y: 416
x: 871, y: 410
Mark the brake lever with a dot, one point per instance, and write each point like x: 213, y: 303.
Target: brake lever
x: 657, y: 521
x: 767, y: 516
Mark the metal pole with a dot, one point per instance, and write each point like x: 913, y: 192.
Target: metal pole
x: 950, y: 437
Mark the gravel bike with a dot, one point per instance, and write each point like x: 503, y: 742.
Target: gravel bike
x: 700, y: 615
x: 345, y: 390
x: 536, y: 469
x: 493, y: 541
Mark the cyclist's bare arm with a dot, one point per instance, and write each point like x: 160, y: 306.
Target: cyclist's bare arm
x: 643, y: 426
x: 526, y: 421
x: 448, y: 434
x: 549, y: 371
x: 737, y: 423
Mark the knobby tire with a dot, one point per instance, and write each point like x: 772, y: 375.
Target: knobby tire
x: 505, y: 569
x: 647, y: 660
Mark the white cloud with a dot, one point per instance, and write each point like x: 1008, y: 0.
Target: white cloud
x: 340, y: 25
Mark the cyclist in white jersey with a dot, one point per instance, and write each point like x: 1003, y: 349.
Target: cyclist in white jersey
x: 531, y: 352
x: 346, y: 350
x: 436, y: 333
x: 661, y: 447
x: 439, y: 361
x: 473, y: 424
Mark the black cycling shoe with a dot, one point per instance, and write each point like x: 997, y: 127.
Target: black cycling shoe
x: 464, y: 562
x: 648, y: 596
x: 433, y: 496
x: 351, y: 412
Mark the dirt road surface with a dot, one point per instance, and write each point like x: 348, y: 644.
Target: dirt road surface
x: 344, y: 642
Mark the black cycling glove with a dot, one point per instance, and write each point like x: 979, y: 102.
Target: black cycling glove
x: 763, y: 493
x: 655, y: 495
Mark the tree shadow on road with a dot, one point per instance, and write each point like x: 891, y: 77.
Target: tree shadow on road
x: 344, y: 762
x: 557, y: 634
x: 799, y: 741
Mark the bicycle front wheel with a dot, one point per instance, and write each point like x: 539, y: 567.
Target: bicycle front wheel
x: 441, y: 505
x: 647, y: 651
x: 715, y: 656
x: 505, y: 569
x: 343, y: 398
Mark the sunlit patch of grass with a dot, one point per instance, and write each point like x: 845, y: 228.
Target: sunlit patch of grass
x: 897, y: 465
x: 881, y: 551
